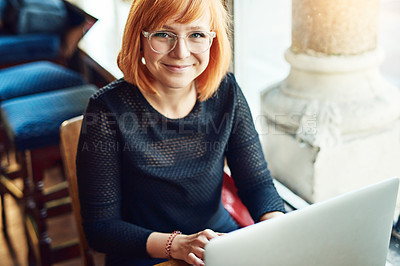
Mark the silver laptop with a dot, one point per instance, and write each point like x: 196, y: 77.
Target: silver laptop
x: 352, y: 229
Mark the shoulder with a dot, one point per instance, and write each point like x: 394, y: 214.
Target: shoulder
x: 114, y: 96
x: 228, y: 88
x: 227, y: 96
x: 111, y: 88
x: 229, y: 81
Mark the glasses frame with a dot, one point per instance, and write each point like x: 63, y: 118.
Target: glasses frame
x: 148, y: 35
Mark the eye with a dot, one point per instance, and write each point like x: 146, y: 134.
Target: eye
x: 162, y: 35
x: 197, y: 35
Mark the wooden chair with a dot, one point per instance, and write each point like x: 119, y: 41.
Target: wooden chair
x: 69, y: 136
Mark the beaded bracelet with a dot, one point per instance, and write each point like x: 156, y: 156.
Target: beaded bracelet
x: 169, y: 243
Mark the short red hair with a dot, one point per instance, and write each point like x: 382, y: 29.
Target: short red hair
x: 150, y: 14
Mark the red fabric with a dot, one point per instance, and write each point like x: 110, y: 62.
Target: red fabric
x: 233, y: 204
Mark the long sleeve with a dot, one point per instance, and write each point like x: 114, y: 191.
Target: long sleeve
x: 247, y: 163
x: 99, y: 180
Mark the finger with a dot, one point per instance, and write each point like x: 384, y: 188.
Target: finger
x: 199, y: 252
x: 210, y: 234
x: 192, y: 259
x: 201, y: 239
x: 221, y: 234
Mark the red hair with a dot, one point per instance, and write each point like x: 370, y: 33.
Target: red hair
x: 151, y: 14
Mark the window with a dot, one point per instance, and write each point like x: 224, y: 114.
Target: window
x: 262, y: 33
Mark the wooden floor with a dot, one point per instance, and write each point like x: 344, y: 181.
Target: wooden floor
x: 13, y: 247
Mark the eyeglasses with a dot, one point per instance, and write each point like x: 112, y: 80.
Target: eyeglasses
x: 163, y: 42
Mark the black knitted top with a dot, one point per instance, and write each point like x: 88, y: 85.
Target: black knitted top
x: 140, y: 172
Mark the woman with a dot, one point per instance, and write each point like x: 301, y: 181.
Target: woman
x: 153, y: 144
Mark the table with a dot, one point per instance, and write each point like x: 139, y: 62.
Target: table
x: 173, y: 263
x: 101, y: 44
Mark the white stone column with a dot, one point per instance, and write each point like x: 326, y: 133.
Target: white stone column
x: 333, y: 124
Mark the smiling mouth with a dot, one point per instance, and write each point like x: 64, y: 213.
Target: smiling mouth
x: 177, y: 68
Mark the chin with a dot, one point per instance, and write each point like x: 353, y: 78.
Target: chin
x: 179, y: 86
x: 179, y: 83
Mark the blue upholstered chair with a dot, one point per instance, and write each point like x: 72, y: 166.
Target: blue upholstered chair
x: 31, y: 78
x: 33, y: 45
x: 36, y: 77
x: 35, y: 98
x: 17, y: 49
x: 32, y: 122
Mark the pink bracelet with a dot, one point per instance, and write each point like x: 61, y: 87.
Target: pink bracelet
x: 169, y: 243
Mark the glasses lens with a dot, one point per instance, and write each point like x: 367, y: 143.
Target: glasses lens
x: 198, y: 42
x: 164, y: 42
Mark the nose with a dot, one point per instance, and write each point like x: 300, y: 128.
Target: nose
x: 181, y: 50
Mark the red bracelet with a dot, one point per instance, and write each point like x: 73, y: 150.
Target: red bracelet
x: 169, y: 243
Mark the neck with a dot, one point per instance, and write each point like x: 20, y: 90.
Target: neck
x: 173, y: 103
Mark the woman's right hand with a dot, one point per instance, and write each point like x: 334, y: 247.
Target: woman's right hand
x: 190, y: 248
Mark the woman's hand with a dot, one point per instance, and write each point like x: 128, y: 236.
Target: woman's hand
x: 190, y: 248
x: 270, y: 215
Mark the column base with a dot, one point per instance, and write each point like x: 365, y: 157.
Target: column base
x: 317, y: 174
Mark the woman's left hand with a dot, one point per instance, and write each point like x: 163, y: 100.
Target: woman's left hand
x: 190, y: 248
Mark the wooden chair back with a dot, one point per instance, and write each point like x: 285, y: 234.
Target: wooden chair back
x: 69, y: 136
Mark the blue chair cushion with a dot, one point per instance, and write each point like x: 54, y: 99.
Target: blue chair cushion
x: 33, y: 121
x: 28, y: 47
x: 36, y: 77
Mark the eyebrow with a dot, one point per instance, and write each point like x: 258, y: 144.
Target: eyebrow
x: 166, y: 27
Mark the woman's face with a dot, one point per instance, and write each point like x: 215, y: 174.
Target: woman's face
x: 178, y: 68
